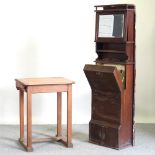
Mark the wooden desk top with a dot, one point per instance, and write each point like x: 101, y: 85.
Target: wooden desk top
x: 44, y: 81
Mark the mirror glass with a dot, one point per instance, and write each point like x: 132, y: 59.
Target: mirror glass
x: 111, y: 26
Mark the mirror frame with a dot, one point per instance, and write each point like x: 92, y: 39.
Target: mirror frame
x: 110, y: 39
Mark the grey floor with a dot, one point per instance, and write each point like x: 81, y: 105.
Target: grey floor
x: 9, y: 134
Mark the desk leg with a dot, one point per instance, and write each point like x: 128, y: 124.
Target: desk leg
x: 21, y: 113
x: 59, y: 109
x: 29, y: 121
x: 69, y: 116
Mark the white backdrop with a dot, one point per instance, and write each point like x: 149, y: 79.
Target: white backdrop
x: 56, y: 38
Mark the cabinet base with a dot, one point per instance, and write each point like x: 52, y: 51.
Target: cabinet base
x: 107, y: 136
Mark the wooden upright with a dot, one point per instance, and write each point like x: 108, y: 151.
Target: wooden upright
x: 112, y: 78
x: 44, y: 85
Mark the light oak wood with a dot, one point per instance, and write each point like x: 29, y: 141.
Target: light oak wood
x: 25, y: 146
x: 44, y: 81
x: 39, y: 140
x: 69, y: 116
x: 45, y: 85
x: 21, y: 107
x: 50, y: 139
x: 29, y: 119
x: 59, y: 109
x: 49, y: 88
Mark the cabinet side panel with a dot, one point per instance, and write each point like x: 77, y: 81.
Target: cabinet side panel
x: 126, y: 134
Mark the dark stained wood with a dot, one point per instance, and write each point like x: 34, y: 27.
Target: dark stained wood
x: 112, y: 107
x: 116, y: 7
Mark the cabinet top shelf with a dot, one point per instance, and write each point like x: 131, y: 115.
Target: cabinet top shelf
x: 113, y: 7
x: 110, y: 51
x: 97, y: 61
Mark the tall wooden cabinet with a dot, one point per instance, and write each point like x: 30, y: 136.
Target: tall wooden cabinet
x: 112, y: 77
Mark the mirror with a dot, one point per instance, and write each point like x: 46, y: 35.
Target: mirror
x: 111, y: 26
